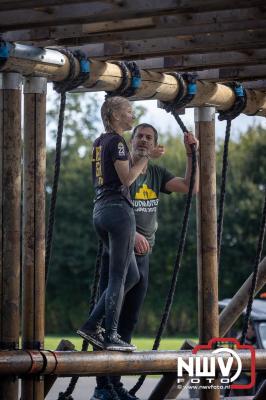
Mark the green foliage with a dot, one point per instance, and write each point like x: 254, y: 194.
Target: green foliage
x: 75, y: 243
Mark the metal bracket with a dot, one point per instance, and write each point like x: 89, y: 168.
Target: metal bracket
x: 204, y: 114
x: 46, y: 56
x: 35, y: 85
x: 10, y: 80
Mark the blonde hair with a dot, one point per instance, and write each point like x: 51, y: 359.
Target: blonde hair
x: 110, y: 105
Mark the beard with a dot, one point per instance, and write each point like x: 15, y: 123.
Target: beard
x: 141, y: 152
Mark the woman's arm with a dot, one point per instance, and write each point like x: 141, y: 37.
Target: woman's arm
x: 128, y: 175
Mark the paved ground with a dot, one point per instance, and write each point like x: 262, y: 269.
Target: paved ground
x: 85, y: 388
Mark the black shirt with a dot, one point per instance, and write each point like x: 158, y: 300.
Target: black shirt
x: 108, y: 148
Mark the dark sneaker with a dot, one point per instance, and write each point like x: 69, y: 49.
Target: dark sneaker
x: 113, y: 342
x: 94, y: 337
x: 106, y: 393
x: 124, y: 394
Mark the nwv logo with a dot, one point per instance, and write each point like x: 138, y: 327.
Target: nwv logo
x: 229, y: 365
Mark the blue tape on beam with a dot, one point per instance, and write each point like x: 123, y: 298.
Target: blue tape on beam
x: 85, y: 66
x: 239, y: 91
x: 192, y: 88
x: 135, y: 82
x: 4, y: 50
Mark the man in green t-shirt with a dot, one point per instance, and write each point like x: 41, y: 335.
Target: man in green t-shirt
x: 145, y: 192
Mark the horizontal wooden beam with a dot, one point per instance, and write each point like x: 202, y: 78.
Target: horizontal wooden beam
x: 234, y: 73
x: 100, y: 11
x: 148, y: 27
x: 194, y: 44
x: 6, y: 5
x: 190, y: 62
x: 257, y: 85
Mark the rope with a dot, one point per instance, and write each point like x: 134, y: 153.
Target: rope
x: 51, y: 218
x: 186, y: 93
x: 177, y: 265
x: 255, y: 273
x: 124, y: 82
x: 135, y: 79
x: 254, y: 278
x: 85, y: 344
x: 228, y: 115
x: 126, y: 89
x: 239, y: 103
x: 61, y: 87
x: 223, y: 189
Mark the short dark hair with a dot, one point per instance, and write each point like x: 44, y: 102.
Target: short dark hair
x: 144, y: 125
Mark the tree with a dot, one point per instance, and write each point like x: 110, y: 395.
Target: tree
x: 75, y: 242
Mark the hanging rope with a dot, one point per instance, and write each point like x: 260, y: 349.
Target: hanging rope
x: 254, y: 278
x: 85, y: 344
x: 255, y: 271
x: 229, y: 115
x: 235, y: 110
x: 173, y: 108
x: 62, y: 87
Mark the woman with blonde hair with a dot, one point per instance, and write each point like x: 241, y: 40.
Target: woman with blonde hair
x: 114, y: 221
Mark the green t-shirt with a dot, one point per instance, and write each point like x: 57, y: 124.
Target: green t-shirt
x: 145, y: 197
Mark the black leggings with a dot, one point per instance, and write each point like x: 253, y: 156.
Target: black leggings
x: 131, y: 307
x: 114, y: 223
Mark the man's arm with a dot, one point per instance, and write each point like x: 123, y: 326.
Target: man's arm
x: 181, y: 185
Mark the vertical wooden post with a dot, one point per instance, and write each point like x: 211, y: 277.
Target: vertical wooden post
x: 207, y: 233
x: 33, y: 248
x: 10, y: 197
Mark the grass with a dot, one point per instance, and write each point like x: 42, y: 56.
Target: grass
x: 142, y: 343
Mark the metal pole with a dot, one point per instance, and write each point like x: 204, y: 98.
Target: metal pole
x: 10, y: 181
x: 33, y: 247
x: 207, y: 234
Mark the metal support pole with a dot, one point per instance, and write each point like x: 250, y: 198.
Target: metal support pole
x: 207, y: 234
x: 33, y: 247
x: 10, y: 193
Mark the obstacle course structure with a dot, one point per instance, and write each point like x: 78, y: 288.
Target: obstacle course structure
x: 220, y: 40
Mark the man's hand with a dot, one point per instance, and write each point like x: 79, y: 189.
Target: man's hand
x: 189, y: 139
x: 141, y: 244
x: 157, y: 152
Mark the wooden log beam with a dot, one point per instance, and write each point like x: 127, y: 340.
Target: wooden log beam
x: 49, y: 380
x: 66, y: 363
x: 234, y: 309
x: 108, y: 76
x: 208, y: 322
x: 100, y: 11
x: 165, y: 384
x: 227, y: 319
x: 10, y: 194
x: 173, y: 25
x: 33, y: 260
